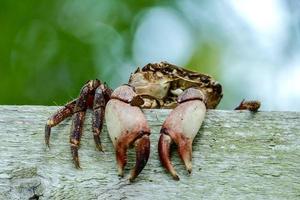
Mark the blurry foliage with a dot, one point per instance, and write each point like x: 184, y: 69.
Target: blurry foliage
x: 49, y: 49
x: 206, y: 59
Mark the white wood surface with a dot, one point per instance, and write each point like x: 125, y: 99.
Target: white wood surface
x: 236, y: 155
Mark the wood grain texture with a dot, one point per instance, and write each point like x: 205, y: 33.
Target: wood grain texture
x: 236, y: 155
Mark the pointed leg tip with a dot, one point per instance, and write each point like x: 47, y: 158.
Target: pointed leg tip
x: 133, y: 174
x: 176, y: 177
x: 174, y: 174
x: 47, y: 144
x: 74, y: 152
x: 131, y: 178
x: 188, y: 167
x: 120, y: 172
x: 77, y: 164
x: 98, y: 143
x: 100, y: 148
x: 47, y: 134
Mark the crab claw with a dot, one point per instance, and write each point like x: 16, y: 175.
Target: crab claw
x: 127, y: 126
x: 181, y: 127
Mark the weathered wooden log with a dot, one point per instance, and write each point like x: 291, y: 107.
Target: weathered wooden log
x: 236, y: 155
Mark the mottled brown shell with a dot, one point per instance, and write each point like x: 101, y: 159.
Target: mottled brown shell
x: 160, y: 84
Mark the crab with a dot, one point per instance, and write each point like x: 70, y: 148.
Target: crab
x: 158, y: 85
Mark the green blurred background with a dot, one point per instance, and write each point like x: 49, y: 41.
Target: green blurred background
x: 49, y: 49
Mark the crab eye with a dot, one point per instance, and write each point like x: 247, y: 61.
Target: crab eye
x: 204, y: 79
x: 218, y: 87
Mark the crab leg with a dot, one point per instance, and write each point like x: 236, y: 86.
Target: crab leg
x: 181, y: 127
x: 75, y: 136
x: 98, y: 117
x: 248, y: 105
x: 78, y: 118
x: 58, y: 117
x: 127, y: 126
